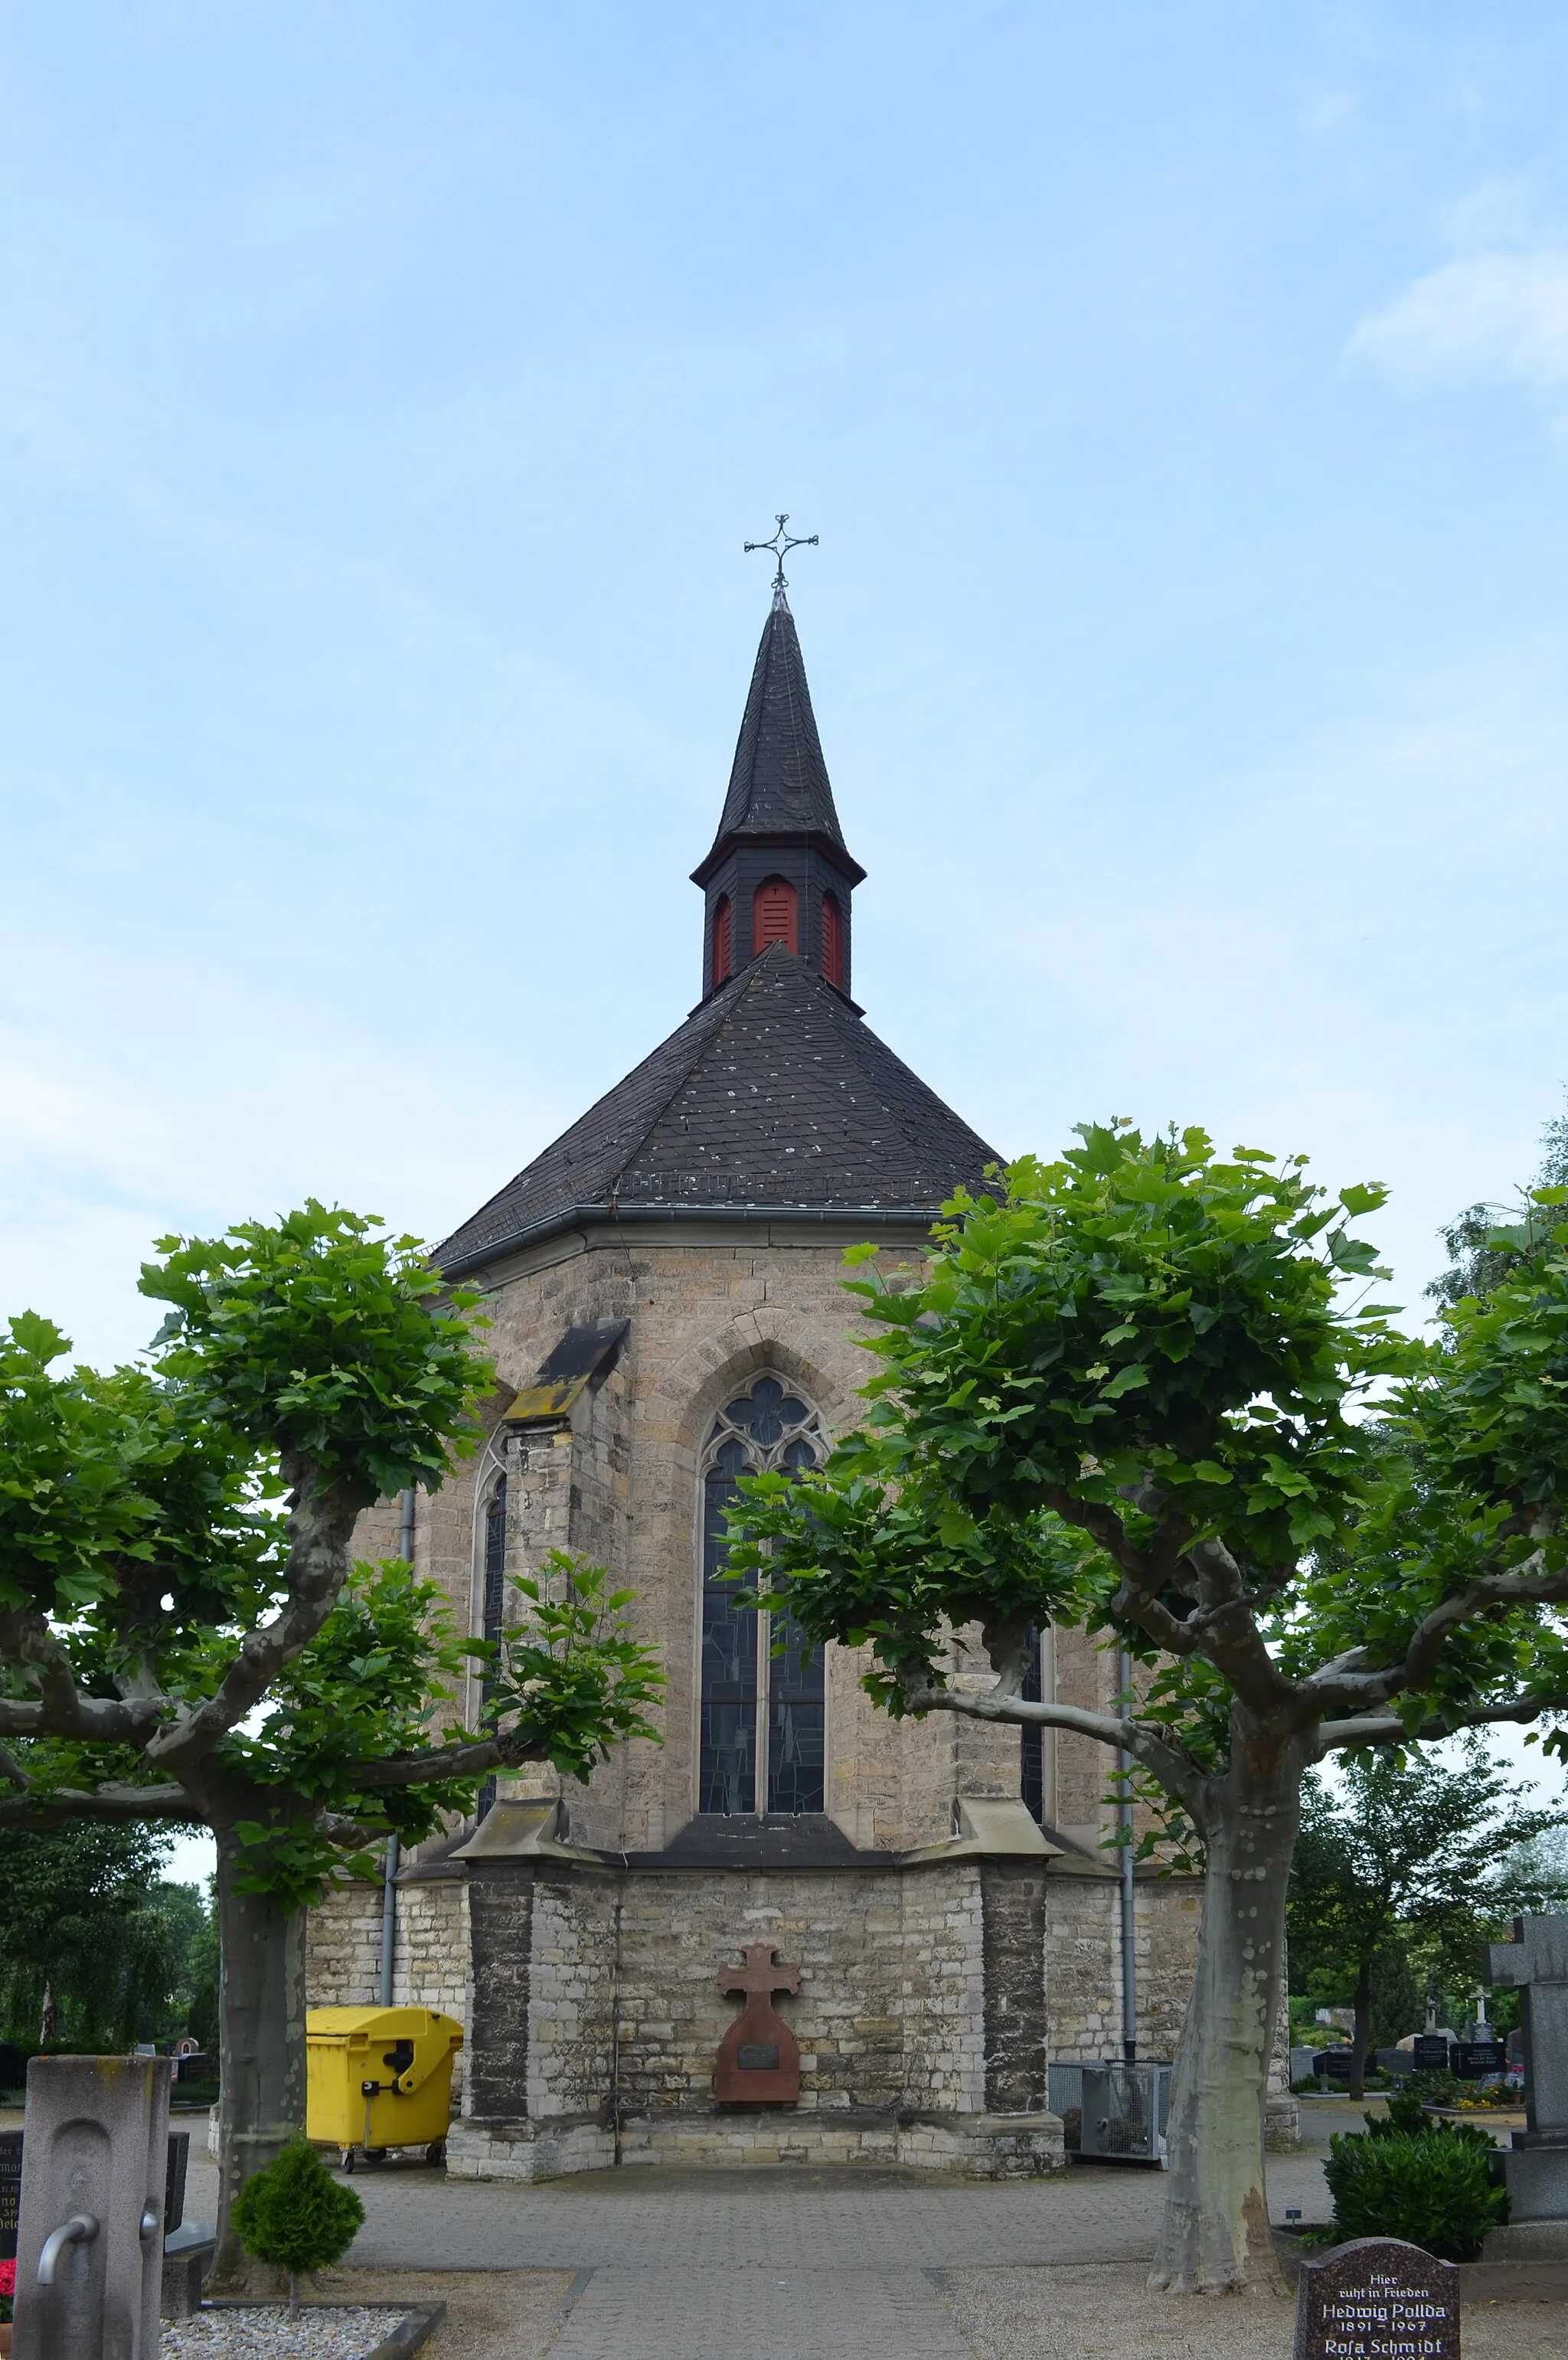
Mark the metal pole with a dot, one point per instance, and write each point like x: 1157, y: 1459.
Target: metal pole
x: 1124, y: 1824
x: 394, y: 1849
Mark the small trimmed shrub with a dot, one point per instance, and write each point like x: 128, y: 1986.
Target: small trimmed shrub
x: 296, y: 2215
x: 1431, y: 2186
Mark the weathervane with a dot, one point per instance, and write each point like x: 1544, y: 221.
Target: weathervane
x: 779, y: 547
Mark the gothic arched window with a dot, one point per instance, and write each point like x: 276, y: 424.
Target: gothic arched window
x: 832, y: 940
x: 1032, y: 1734
x: 495, y: 1598
x: 723, y: 942
x: 762, y: 1743
x: 773, y: 915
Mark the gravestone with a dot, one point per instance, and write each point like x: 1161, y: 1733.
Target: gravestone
x: 1535, y: 1964
x: 759, y: 2057
x: 1377, y: 2298
x: 94, y: 2189
x: 1429, y: 2050
x: 1334, y: 2064
x: 1473, y: 2059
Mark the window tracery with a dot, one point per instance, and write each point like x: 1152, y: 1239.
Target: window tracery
x: 763, y: 1705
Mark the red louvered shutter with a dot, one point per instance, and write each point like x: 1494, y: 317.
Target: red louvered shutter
x: 832, y: 940
x: 773, y: 915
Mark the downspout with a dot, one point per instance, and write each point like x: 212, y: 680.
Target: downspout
x: 394, y: 1849
x: 1124, y: 1828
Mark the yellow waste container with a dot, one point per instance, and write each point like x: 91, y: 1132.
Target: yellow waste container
x: 379, y: 2077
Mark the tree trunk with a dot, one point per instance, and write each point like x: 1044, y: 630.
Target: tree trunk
x: 1216, y: 2237
x: 48, y: 2018
x: 261, y: 2049
x: 1360, y: 2037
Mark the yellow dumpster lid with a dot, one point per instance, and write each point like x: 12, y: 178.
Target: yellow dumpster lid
x: 377, y: 2022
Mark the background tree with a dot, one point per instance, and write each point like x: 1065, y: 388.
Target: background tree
x: 1126, y: 1400
x: 1405, y: 1842
x: 174, y: 1647
x: 90, y: 1940
x: 1482, y: 1247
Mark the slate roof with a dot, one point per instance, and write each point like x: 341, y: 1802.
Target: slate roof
x: 773, y: 1093
x: 778, y: 780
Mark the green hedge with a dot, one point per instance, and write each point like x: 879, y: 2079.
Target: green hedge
x: 1408, y: 2176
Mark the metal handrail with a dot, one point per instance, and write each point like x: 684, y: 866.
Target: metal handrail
x: 80, y: 2230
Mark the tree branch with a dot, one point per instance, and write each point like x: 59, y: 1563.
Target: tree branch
x: 1232, y: 1640
x: 61, y: 1709
x: 322, y: 1523
x: 113, y: 1804
x: 1334, y: 1684
x: 1174, y: 1769
x: 1141, y: 1579
x: 1382, y: 1729
x: 472, y: 1759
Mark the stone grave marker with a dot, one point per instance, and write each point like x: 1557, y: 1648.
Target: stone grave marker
x: 758, y: 2055
x: 1536, y: 1963
x: 1377, y: 2298
x: 1429, y: 2050
x: 1473, y: 2059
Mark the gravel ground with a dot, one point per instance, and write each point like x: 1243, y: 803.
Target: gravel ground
x: 1106, y: 2312
x: 490, y: 2314
x: 272, y: 2334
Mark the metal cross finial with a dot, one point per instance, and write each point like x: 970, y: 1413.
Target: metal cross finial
x: 779, y: 547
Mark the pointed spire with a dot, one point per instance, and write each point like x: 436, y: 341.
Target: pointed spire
x: 779, y: 782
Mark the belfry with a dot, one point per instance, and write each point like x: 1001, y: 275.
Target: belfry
x: 664, y: 1283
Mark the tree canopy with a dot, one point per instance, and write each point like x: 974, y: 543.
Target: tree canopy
x: 1147, y: 1390
x: 184, y: 1634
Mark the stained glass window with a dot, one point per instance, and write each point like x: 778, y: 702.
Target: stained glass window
x: 494, y: 1596
x: 1031, y: 1737
x: 763, y: 1732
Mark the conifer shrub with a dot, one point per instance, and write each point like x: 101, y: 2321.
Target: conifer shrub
x: 296, y: 2215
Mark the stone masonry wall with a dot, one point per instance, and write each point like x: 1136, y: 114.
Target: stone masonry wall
x: 890, y: 2013
x: 1083, y: 1971
x: 1014, y: 1894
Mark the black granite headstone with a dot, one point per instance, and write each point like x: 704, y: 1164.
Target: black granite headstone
x: 1472, y: 2058
x: 1334, y: 2064
x: 1430, y: 2053
x: 1377, y: 2298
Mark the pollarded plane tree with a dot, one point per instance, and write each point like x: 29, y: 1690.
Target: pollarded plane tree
x: 185, y: 1637
x: 1132, y: 1397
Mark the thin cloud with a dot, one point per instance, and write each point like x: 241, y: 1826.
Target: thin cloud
x: 1502, y: 318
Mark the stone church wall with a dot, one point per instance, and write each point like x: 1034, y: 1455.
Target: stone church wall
x: 1082, y: 1971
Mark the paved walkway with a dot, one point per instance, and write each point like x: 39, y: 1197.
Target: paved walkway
x: 811, y: 2265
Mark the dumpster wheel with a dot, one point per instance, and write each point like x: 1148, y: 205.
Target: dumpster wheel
x: 346, y: 2159
x: 435, y: 2155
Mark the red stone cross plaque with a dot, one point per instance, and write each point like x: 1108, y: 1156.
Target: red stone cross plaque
x: 758, y: 2055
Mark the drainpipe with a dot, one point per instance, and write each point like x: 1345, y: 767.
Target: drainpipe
x: 1124, y: 1827
x: 394, y: 1849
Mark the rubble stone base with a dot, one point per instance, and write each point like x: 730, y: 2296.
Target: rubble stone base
x: 968, y: 2146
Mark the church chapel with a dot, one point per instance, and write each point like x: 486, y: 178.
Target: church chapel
x: 794, y: 1931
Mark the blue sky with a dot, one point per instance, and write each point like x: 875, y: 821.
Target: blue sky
x: 1181, y: 393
